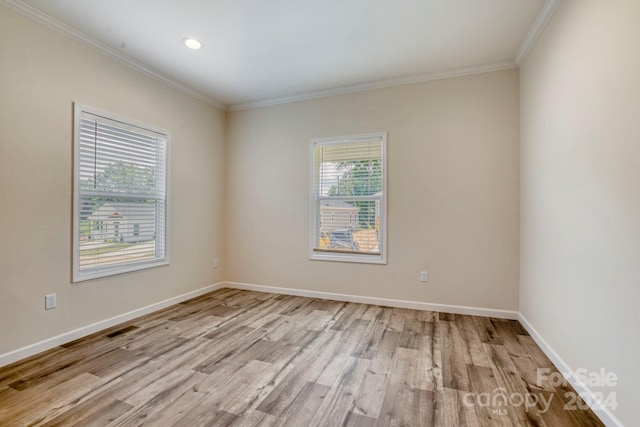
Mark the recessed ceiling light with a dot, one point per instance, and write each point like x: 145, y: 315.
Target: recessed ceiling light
x: 192, y: 43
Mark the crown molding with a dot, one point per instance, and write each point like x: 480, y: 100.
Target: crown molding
x: 538, y: 26
x: 379, y: 84
x: 42, y: 18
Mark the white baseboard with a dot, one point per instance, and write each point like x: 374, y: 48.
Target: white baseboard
x: 605, y: 415
x: 415, y: 305
x: 49, y: 343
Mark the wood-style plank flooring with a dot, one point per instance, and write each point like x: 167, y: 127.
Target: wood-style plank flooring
x: 239, y: 358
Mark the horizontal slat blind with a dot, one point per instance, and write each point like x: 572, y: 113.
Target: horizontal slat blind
x: 347, y: 196
x: 121, y: 210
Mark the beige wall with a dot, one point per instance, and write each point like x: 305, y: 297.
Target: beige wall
x: 41, y: 73
x: 454, y: 186
x: 580, y: 253
x: 453, y: 191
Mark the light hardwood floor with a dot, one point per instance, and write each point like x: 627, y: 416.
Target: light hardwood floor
x: 244, y: 358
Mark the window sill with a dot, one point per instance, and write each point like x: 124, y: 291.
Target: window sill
x: 106, y: 272
x: 347, y: 257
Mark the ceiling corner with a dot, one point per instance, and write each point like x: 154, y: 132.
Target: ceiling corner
x: 48, y: 21
x: 536, y: 30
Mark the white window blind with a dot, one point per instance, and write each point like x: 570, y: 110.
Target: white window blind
x: 120, y: 195
x: 348, y: 200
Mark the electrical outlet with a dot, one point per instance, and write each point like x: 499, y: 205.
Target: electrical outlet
x: 216, y: 263
x: 424, y: 276
x: 50, y: 301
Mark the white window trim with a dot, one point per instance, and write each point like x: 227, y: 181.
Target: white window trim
x: 77, y: 276
x: 348, y: 257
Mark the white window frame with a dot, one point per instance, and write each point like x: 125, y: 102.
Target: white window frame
x: 79, y: 276
x: 314, y: 219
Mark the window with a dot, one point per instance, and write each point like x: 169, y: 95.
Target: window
x: 348, y: 182
x: 120, y: 195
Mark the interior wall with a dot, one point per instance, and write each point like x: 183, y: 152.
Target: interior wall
x: 453, y: 164
x: 42, y: 72
x: 580, y: 204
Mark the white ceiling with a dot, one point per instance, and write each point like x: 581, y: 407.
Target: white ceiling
x: 266, y: 50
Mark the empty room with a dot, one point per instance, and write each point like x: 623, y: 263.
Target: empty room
x: 321, y: 213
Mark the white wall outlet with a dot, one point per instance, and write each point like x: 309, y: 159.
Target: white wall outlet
x: 424, y: 276
x: 50, y: 301
x: 216, y: 263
